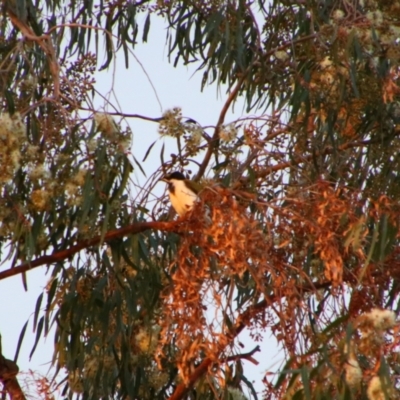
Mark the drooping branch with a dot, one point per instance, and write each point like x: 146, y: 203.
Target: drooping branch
x: 58, y: 256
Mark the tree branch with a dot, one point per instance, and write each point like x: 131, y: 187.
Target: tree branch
x: 121, y: 114
x: 213, y: 144
x: 8, y: 373
x: 246, y: 356
x: 63, y: 254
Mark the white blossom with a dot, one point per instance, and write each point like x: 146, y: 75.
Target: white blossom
x: 92, y: 145
x: 325, y: 63
x: 281, y: 55
x: 374, y: 391
x: 39, y: 172
x: 236, y: 394
x: 228, y: 133
x: 375, y: 16
x: 338, y: 15
x: 105, y: 123
x: 79, y: 178
x: 197, y: 135
x: 353, y: 372
x: 382, y: 319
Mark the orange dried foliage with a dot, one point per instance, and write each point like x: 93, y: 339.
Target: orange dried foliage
x: 37, y: 386
x: 349, y: 120
x: 390, y: 88
x: 314, y: 237
x: 223, y: 242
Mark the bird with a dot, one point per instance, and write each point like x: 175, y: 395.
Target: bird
x: 182, y: 192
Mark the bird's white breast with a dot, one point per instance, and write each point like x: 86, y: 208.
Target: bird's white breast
x: 182, y: 199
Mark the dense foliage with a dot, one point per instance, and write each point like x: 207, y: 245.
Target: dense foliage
x: 296, y: 232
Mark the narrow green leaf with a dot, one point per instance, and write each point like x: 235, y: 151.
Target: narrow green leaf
x: 38, y: 334
x: 20, y: 340
x: 252, y: 176
x: 24, y: 281
x: 135, y: 249
x: 374, y: 241
x: 37, y: 310
x: 143, y: 250
x: 138, y: 164
x: 383, y: 237
x: 250, y: 386
x: 10, y: 101
x: 285, y: 371
x: 353, y: 79
x: 51, y: 292
x: 126, y: 54
x: 221, y: 165
x: 299, y: 395
x: 109, y: 44
x: 335, y: 324
x: 226, y: 182
x: 148, y: 151
x: 146, y: 28
x: 104, y: 226
x: 306, y: 381
x: 88, y: 200
x: 162, y: 154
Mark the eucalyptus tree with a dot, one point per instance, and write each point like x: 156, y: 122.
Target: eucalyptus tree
x: 295, y: 232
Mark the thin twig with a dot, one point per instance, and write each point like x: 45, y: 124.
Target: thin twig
x: 214, y: 140
x: 121, y: 114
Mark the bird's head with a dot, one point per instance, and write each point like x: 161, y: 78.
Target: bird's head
x: 178, y: 176
x: 177, y: 179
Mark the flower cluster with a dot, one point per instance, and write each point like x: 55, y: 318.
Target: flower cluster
x: 353, y: 372
x: 193, y: 137
x: 147, y: 340
x: 12, y: 137
x: 228, y: 133
x: 373, y: 327
x: 171, y: 123
x: 105, y: 124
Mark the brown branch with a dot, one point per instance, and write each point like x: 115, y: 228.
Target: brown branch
x: 246, y: 356
x: 8, y: 373
x: 242, y: 321
x: 116, y: 234
x: 125, y: 115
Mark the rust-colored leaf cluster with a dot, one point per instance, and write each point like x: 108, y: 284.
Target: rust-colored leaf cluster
x: 315, y: 239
